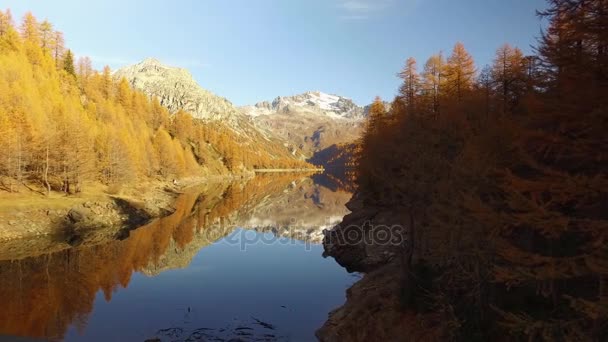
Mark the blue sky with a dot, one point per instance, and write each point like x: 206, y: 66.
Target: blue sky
x: 254, y: 50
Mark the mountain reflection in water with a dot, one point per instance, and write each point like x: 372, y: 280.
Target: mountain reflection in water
x: 55, y: 296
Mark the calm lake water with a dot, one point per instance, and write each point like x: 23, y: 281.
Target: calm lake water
x: 238, y: 260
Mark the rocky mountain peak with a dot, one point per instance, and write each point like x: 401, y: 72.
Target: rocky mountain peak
x: 177, y: 89
x: 151, y: 61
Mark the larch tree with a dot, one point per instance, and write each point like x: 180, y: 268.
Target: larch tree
x: 85, y: 71
x: 183, y: 126
x: 124, y: 95
x: 508, y: 72
x: 106, y: 83
x: 432, y: 78
x: 411, y: 83
x: 46, y: 35
x: 58, y: 48
x: 166, y: 153
x: 9, y: 37
x: 460, y: 72
x: 377, y: 112
x: 30, y: 30
x: 6, y: 22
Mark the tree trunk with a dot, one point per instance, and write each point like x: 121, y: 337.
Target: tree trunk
x: 46, y: 172
x: 408, y: 248
x: 10, y: 166
x: 19, y: 156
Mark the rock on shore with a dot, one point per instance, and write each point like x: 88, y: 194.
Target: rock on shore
x: 372, y: 311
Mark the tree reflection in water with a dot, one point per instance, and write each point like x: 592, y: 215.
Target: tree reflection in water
x: 42, y: 296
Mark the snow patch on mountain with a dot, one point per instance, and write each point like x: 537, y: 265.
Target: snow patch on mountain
x: 333, y: 106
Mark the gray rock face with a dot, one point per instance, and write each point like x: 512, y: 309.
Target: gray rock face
x: 176, y: 89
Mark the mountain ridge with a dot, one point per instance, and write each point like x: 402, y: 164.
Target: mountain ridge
x: 312, y: 120
x: 177, y: 89
x: 331, y: 105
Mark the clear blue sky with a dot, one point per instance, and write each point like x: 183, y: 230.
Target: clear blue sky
x: 254, y: 50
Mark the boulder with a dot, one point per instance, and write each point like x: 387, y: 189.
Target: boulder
x: 79, y: 214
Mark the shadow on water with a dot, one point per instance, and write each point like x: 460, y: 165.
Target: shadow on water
x: 43, y: 296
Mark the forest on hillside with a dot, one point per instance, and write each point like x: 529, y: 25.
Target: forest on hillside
x: 63, y: 124
x: 501, y: 172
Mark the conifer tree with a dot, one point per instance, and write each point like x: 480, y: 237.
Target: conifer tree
x: 411, y: 83
x: 58, y: 48
x: 6, y: 22
x: 376, y: 115
x: 433, y: 80
x: 509, y: 75
x: 30, y: 30
x: 106, y: 82
x: 68, y: 63
x: 460, y: 72
x: 46, y: 35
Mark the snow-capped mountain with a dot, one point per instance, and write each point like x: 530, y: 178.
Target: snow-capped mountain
x: 312, y: 121
x: 332, y: 106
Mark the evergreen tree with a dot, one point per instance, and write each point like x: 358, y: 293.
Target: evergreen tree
x: 68, y: 63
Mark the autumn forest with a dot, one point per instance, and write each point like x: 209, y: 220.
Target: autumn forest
x: 496, y: 175
x: 63, y: 124
x: 500, y: 173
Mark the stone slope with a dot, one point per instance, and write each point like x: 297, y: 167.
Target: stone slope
x: 176, y: 89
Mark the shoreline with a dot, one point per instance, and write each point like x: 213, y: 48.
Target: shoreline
x: 287, y: 170
x: 30, y: 215
x: 382, y: 285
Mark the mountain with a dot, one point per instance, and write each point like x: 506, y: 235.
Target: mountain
x: 294, y: 127
x: 311, y: 121
x: 332, y: 106
x: 177, y: 90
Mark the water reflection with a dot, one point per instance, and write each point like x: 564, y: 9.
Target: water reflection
x: 43, y: 296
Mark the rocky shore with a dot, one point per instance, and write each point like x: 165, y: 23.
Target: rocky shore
x: 78, y: 221
x: 373, y: 310
x: 41, y: 225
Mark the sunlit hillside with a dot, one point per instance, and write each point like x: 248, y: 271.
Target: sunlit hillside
x: 63, y: 123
